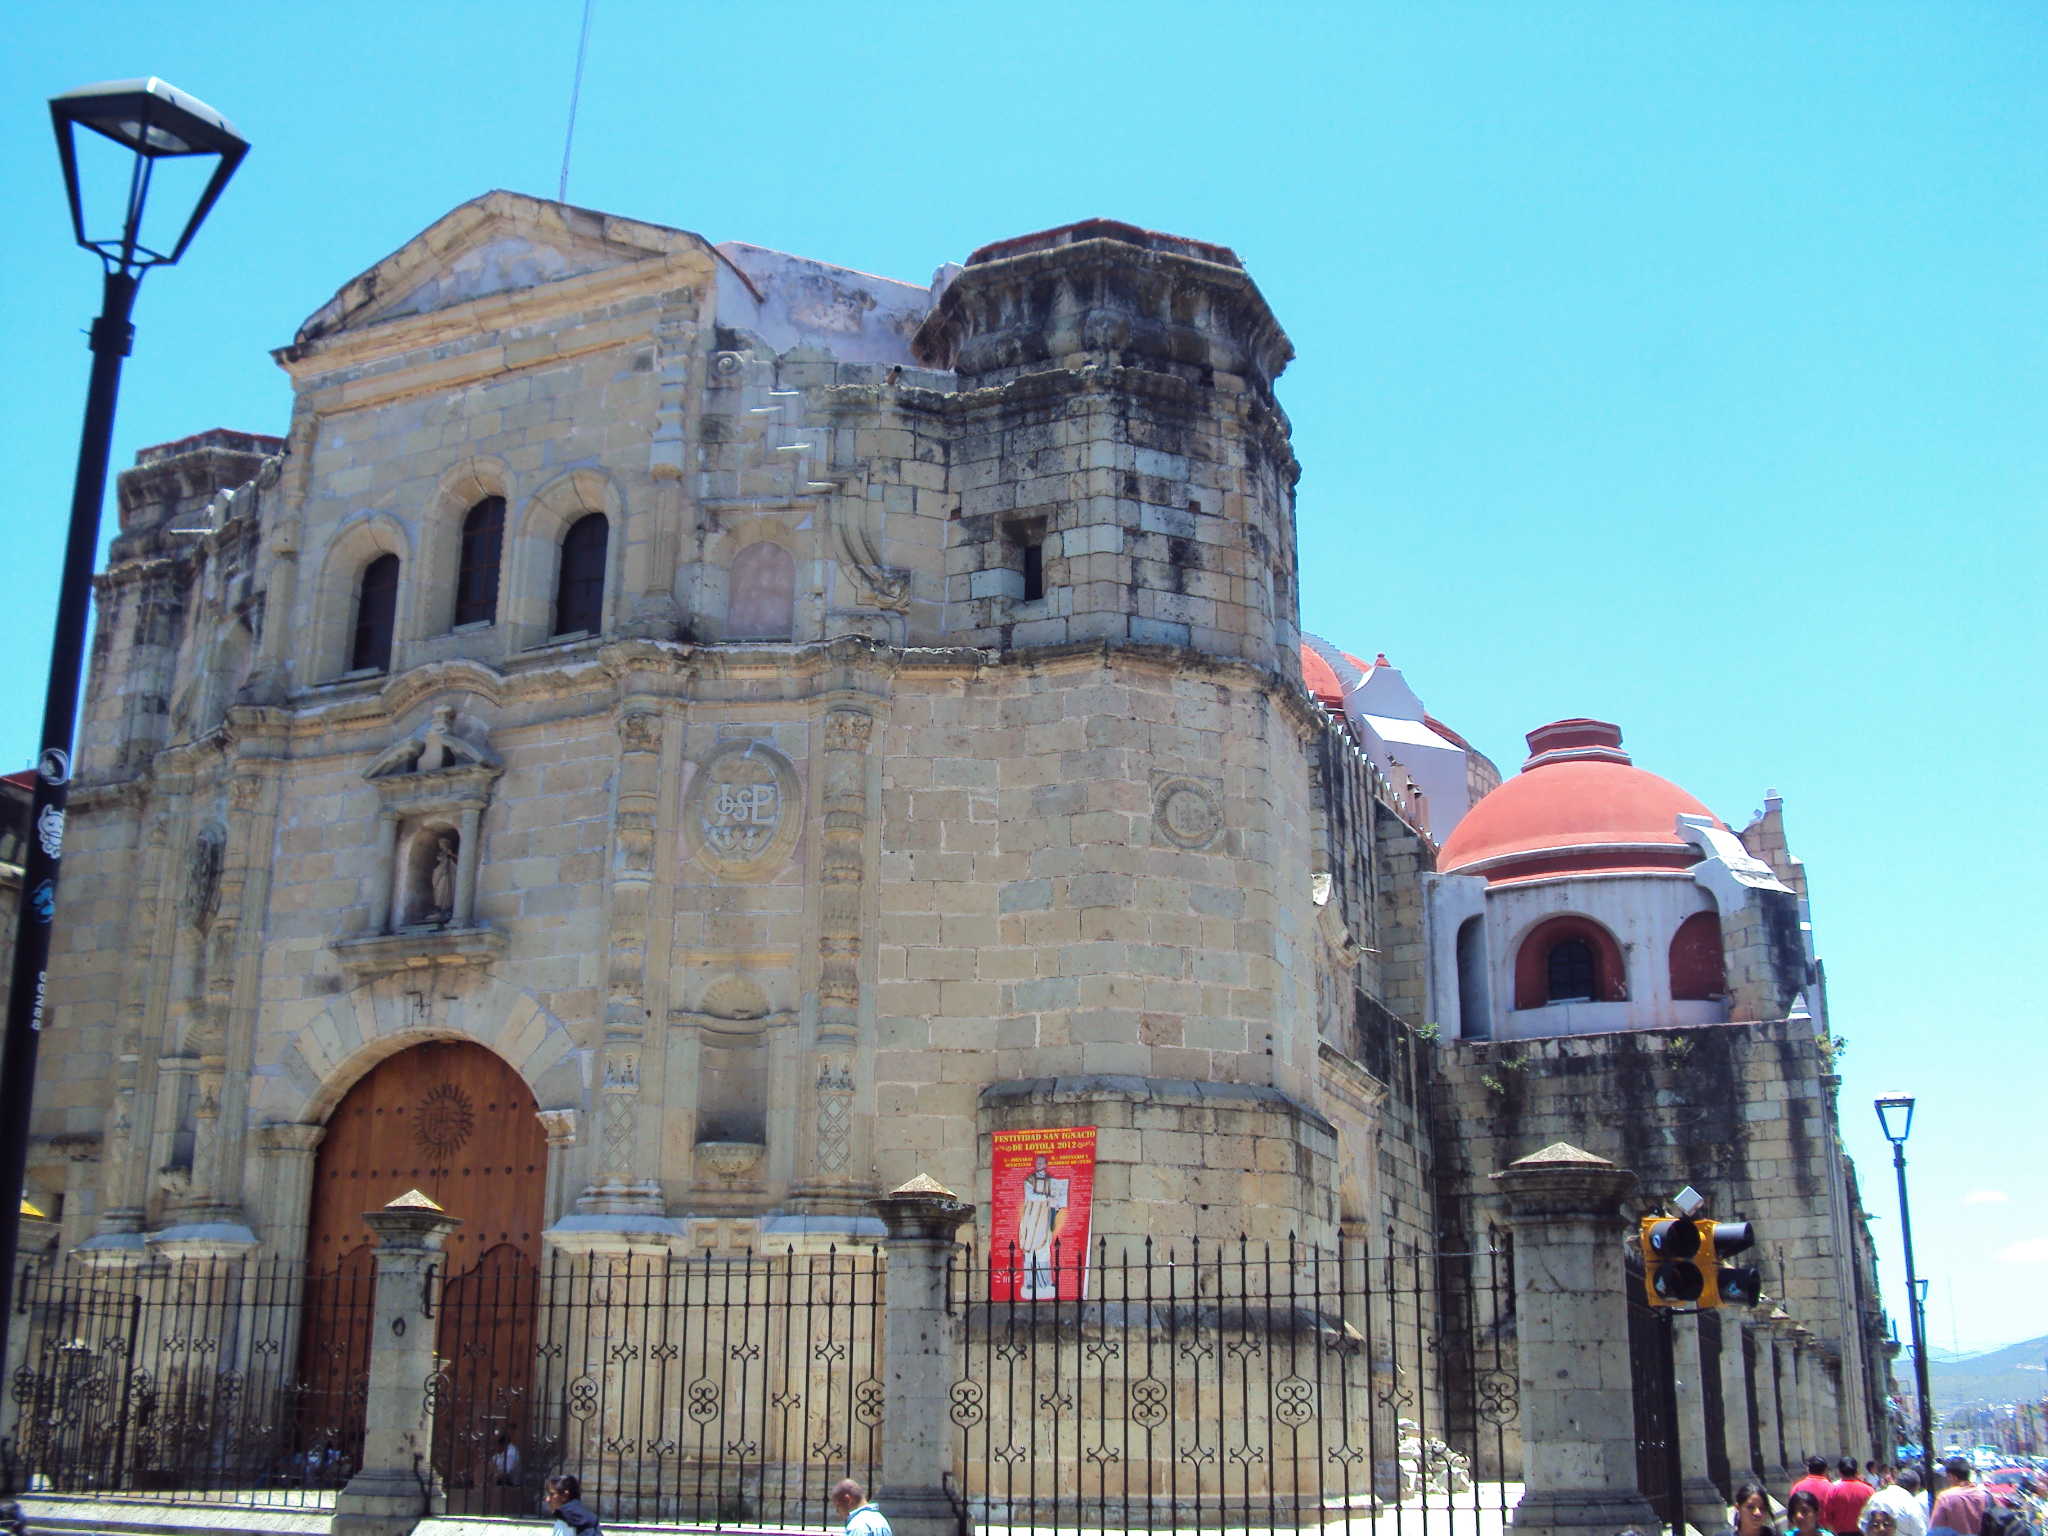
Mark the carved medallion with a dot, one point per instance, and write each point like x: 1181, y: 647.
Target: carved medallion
x: 443, y: 1121
x: 1186, y: 812
x: 742, y: 811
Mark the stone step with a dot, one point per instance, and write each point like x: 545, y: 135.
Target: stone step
x: 91, y: 1516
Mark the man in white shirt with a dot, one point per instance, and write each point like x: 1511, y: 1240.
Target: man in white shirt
x: 850, y: 1503
x: 1903, y: 1501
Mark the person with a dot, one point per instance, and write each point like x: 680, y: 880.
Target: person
x: 505, y: 1463
x: 1752, y: 1513
x: 1900, y: 1501
x: 564, y: 1500
x: 1802, y: 1512
x: 850, y: 1503
x: 1960, y: 1509
x: 1842, y: 1508
x: 1816, y: 1481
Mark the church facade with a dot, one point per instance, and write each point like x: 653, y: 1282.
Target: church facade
x: 677, y: 739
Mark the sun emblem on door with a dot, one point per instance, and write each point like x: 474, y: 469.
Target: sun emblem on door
x: 444, y: 1120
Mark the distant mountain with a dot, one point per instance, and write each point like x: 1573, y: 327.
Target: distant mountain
x: 2017, y: 1373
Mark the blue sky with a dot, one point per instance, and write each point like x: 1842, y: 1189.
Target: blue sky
x: 1679, y: 365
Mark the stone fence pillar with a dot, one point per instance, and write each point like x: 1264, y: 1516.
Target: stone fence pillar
x: 395, y: 1487
x: 1571, y: 1319
x: 1736, y: 1391
x: 1706, y: 1507
x: 920, y: 1356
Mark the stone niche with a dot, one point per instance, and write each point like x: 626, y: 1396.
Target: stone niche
x: 434, y: 786
x: 736, y: 1032
x: 1176, y: 1160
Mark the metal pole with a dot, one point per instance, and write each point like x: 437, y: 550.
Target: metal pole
x: 1919, y: 1325
x: 111, y: 337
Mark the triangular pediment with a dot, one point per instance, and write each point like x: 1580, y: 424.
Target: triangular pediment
x: 499, y: 243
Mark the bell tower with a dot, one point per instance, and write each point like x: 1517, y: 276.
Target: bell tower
x: 1124, y: 472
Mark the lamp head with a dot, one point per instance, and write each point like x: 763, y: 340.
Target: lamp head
x: 151, y: 122
x: 1895, y: 1114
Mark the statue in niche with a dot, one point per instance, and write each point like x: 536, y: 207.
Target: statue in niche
x: 202, y: 877
x: 443, y: 882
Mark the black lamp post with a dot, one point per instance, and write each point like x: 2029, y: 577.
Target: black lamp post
x: 1895, y: 1114
x: 150, y: 122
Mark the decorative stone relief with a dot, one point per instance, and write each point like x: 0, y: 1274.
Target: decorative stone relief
x: 742, y: 811
x: 1187, y: 812
x: 835, y: 1116
x: 840, y: 869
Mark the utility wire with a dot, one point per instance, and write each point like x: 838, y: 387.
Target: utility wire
x: 575, y: 92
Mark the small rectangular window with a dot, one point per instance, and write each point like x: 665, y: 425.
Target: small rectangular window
x: 1034, y: 572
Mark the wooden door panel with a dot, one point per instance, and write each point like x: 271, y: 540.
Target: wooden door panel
x: 451, y: 1120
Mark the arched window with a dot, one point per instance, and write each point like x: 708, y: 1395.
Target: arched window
x: 476, y: 579
x: 1697, y: 971
x: 1572, y: 977
x: 1569, y: 959
x: 761, y: 602
x: 579, y: 594
x: 376, y: 616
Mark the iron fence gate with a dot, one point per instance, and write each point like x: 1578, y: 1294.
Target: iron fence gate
x: 706, y: 1390
x: 213, y: 1381
x: 1653, y: 1375
x: 1236, y: 1386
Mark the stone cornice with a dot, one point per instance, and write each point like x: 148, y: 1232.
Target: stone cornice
x: 344, y: 719
x: 1104, y: 295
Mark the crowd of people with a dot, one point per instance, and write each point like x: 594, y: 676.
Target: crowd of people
x: 1846, y: 1498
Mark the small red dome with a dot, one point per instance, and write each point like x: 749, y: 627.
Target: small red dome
x: 1578, y: 806
x: 1321, y: 680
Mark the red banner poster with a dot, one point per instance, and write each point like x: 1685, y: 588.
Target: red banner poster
x: 1042, y: 1187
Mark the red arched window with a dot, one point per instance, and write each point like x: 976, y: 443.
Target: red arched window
x: 1697, y: 972
x: 1569, y: 959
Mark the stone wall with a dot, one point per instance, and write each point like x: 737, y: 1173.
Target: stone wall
x: 1741, y: 1112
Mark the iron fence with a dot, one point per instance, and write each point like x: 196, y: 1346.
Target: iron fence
x: 1653, y: 1377
x: 705, y: 1390
x: 1237, y: 1386
x: 216, y: 1381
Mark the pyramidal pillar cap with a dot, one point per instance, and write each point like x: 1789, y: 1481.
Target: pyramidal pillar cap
x: 1564, y: 1180
x: 414, y: 1221
x: 922, y: 1209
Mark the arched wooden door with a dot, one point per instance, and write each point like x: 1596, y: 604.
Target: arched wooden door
x: 457, y: 1123
x: 450, y: 1119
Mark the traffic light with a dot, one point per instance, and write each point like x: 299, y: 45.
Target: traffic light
x: 1671, y: 1278
x: 1728, y: 1284
x: 1682, y: 1263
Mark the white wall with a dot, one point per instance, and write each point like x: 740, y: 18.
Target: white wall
x: 1642, y: 911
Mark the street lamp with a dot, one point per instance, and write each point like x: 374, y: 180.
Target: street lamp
x: 149, y: 123
x: 1895, y: 1114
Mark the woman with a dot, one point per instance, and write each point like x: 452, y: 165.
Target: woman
x: 1803, y: 1513
x: 1752, y: 1515
x: 1882, y: 1522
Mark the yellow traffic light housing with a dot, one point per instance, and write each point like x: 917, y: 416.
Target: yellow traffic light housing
x: 1682, y: 1263
x: 1671, y: 1278
x: 1728, y: 1285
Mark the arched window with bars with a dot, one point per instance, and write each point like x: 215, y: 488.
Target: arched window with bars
x: 376, y: 616
x: 476, y: 578
x: 579, y: 590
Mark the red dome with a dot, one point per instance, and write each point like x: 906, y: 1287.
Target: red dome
x: 1321, y: 680
x: 1578, y: 806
